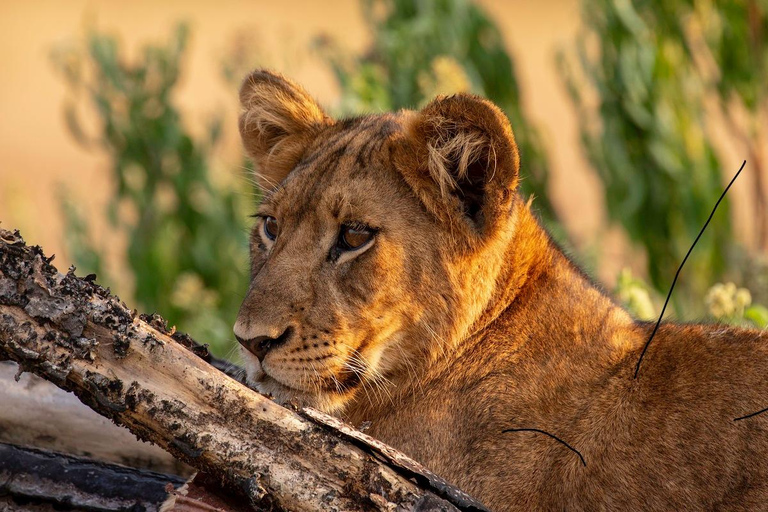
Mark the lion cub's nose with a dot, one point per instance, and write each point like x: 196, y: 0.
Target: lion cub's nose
x: 260, y: 345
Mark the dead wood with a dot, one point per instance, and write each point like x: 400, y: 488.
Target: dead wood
x: 34, y: 412
x: 75, y: 334
x: 32, y: 479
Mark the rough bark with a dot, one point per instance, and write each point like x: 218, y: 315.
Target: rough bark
x: 75, y: 334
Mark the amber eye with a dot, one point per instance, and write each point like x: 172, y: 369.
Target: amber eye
x: 354, y: 237
x: 270, y: 227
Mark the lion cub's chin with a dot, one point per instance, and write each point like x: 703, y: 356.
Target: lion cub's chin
x: 258, y: 379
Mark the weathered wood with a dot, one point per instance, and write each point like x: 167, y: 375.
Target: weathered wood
x: 34, y: 412
x: 32, y: 479
x: 75, y: 334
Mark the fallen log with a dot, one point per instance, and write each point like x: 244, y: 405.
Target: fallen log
x: 33, y: 479
x: 77, y: 335
x: 36, y: 413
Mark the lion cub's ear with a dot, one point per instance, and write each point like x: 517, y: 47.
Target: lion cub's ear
x: 466, y: 144
x: 277, y: 121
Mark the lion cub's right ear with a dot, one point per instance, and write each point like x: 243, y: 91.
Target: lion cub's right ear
x: 277, y: 121
x: 464, y: 148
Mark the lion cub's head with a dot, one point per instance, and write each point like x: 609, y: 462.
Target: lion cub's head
x: 378, y: 240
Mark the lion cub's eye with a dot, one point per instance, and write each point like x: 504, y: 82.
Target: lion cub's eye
x: 270, y: 227
x: 354, y: 237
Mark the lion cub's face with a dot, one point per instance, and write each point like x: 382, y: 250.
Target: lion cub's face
x: 353, y: 255
x: 334, y: 254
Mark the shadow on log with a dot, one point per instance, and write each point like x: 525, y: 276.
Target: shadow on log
x: 32, y: 479
x: 34, y: 412
x: 75, y: 334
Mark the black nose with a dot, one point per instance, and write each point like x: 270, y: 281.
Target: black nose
x: 260, y: 345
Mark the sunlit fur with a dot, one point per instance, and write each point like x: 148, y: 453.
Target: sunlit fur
x: 463, y: 319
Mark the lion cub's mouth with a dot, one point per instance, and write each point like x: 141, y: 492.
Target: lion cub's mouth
x: 327, y: 392
x: 259, y: 378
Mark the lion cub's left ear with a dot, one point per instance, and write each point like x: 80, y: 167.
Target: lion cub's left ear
x: 277, y: 121
x: 466, y: 144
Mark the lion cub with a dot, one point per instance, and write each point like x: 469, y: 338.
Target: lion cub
x: 399, y: 278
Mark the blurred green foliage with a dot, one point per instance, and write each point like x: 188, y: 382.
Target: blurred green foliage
x: 423, y: 48
x: 735, y: 37
x: 733, y: 305
x: 646, y: 139
x: 187, y: 244
x: 636, y: 295
x: 723, y: 302
x: 652, y: 65
x: 736, y: 34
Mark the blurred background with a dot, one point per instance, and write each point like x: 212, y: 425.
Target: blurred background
x: 119, y: 149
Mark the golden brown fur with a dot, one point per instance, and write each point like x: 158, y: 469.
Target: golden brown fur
x: 462, y: 320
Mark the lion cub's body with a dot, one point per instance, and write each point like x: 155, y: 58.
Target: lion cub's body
x: 463, y: 334
x: 561, y: 358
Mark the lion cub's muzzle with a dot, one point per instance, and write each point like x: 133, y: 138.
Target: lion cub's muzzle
x: 261, y: 345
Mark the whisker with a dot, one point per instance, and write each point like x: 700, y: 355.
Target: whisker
x: 441, y: 343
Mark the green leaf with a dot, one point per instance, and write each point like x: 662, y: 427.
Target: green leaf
x: 758, y: 315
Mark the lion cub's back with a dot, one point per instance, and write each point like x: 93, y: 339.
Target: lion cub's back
x: 685, y: 437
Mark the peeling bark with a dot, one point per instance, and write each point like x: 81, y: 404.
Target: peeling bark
x: 132, y: 370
